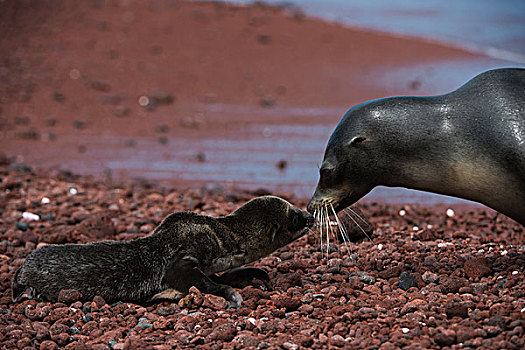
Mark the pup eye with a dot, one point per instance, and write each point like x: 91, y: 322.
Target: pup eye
x: 325, y: 173
x: 295, y: 221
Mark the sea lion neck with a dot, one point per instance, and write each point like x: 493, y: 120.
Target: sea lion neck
x: 236, y: 223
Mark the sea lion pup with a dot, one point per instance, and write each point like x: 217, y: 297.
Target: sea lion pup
x: 469, y: 143
x: 183, y: 251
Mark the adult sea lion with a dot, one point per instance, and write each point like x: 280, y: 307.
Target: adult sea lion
x: 469, y: 143
x: 185, y: 250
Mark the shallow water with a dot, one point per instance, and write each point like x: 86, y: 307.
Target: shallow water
x: 247, y: 159
x: 494, y: 28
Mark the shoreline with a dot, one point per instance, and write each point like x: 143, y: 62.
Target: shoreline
x: 248, y: 92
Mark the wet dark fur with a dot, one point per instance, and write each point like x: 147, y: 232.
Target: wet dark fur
x: 184, y: 250
x: 469, y: 143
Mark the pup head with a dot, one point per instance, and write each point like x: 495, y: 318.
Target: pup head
x: 273, y: 223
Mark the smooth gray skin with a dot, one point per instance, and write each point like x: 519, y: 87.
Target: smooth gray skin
x: 185, y: 250
x: 469, y: 143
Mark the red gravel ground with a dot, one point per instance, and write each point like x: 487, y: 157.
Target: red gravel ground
x: 463, y: 276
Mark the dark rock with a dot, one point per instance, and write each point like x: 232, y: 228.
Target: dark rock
x: 100, y: 86
x: 27, y: 134
x: 79, y: 124
x: 497, y: 321
x: 74, y: 330
x: 445, y: 338
x: 406, y: 281
x: 452, y: 285
x: 59, y: 97
x: 23, y: 226
x: 455, y: 309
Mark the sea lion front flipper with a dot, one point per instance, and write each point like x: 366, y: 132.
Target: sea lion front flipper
x: 240, y: 277
x: 233, y: 297
x: 181, y: 274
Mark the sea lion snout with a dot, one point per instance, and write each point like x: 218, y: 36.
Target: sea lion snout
x: 309, y: 219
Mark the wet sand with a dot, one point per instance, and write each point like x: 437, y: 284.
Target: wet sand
x: 231, y: 96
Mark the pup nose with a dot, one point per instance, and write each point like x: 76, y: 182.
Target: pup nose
x: 309, y: 218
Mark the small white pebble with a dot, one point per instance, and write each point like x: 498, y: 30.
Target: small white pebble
x: 74, y: 74
x: 523, y: 310
x: 348, y: 339
x: 113, y: 207
x: 402, y: 212
x: 30, y: 216
x: 415, y: 228
x: 143, y: 101
x: 73, y: 191
x: 429, y: 226
x: 405, y: 330
x: 499, y: 277
x: 515, y: 272
x: 251, y: 320
x: 504, y: 252
x: 450, y: 213
x: 197, y: 326
x: 45, y: 200
x: 379, y: 246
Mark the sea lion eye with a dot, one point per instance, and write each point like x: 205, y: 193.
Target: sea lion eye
x: 295, y: 221
x: 325, y: 173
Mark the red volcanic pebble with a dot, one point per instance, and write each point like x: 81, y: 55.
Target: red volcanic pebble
x: 68, y: 296
x: 466, y: 276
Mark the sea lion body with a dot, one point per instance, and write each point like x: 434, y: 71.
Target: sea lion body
x: 469, y: 143
x: 185, y: 249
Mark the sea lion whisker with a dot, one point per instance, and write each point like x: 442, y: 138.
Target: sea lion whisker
x: 355, y: 222
x: 342, y: 230
x: 332, y: 231
x: 319, y: 219
x: 355, y: 213
x: 327, y: 233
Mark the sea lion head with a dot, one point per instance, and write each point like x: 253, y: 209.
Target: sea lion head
x: 273, y: 223
x: 354, y: 159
